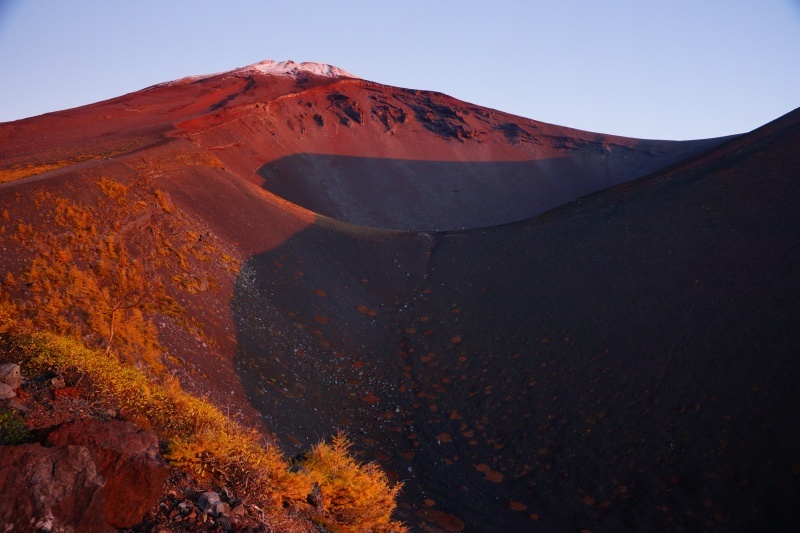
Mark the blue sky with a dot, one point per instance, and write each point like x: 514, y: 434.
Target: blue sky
x: 673, y: 70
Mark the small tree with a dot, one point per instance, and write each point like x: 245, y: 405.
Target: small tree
x: 355, y: 497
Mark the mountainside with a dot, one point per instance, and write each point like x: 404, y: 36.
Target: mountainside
x: 431, y: 277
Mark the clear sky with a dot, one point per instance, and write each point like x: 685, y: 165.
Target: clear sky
x: 678, y: 69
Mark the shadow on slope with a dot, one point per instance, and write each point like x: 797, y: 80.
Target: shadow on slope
x: 314, y: 319
x: 626, y: 362
x: 401, y: 194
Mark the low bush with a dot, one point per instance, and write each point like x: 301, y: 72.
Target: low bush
x: 356, y: 497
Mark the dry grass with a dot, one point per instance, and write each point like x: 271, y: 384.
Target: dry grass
x: 100, y: 270
x: 202, y: 439
x: 205, y: 442
x: 17, y: 173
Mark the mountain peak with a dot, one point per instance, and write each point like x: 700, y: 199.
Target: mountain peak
x: 290, y: 68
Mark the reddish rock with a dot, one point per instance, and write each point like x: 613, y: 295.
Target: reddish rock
x: 127, y: 457
x: 50, y: 489
x: 445, y: 521
x: 444, y: 437
x: 371, y: 399
x: 491, y: 475
x: 517, y: 506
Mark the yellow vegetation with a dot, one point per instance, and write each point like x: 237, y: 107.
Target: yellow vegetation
x: 356, y: 497
x: 202, y: 440
x: 98, y: 273
x: 23, y: 171
x: 16, y: 173
x: 185, y: 420
x: 8, y: 311
x: 20, y: 171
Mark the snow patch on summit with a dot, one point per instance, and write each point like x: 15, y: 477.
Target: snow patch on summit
x: 290, y: 68
x: 274, y: 68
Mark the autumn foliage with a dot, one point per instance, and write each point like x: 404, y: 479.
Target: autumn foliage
x: 355, y: 497
x: 101, y: 275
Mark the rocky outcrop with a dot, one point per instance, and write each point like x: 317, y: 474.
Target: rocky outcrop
x: 128, y: 459
x: 50, y: 489
x: 90, y: 475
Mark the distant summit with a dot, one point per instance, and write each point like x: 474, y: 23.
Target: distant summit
x: 290, y: 68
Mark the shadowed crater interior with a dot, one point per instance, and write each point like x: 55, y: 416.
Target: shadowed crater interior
x: 401, y: 194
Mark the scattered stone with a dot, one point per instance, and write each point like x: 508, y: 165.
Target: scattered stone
x: 491, y: 475
x: 57, y: 383
x: 517, y: 506
x: 208, y: 500
x: 10, y: 375
x: 129, y: 460
x: 238, y: 511
x: 6, y: 392
x: 51, y: 489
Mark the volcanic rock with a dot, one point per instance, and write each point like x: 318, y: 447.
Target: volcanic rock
x: 10, y: 375
x: 127, y: 457
x: 208, y: 500
x: 221, y: 509
x: 57, y: 383
x: 50, y: 489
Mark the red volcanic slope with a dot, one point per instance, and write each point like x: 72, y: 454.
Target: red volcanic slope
x: 353, y: 150
x: 543, y: 364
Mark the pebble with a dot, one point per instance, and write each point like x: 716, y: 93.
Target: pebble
x: 10, y: 375
x: 208, y: 500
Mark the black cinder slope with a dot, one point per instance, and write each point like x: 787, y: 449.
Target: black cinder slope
x: 628, y: 361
